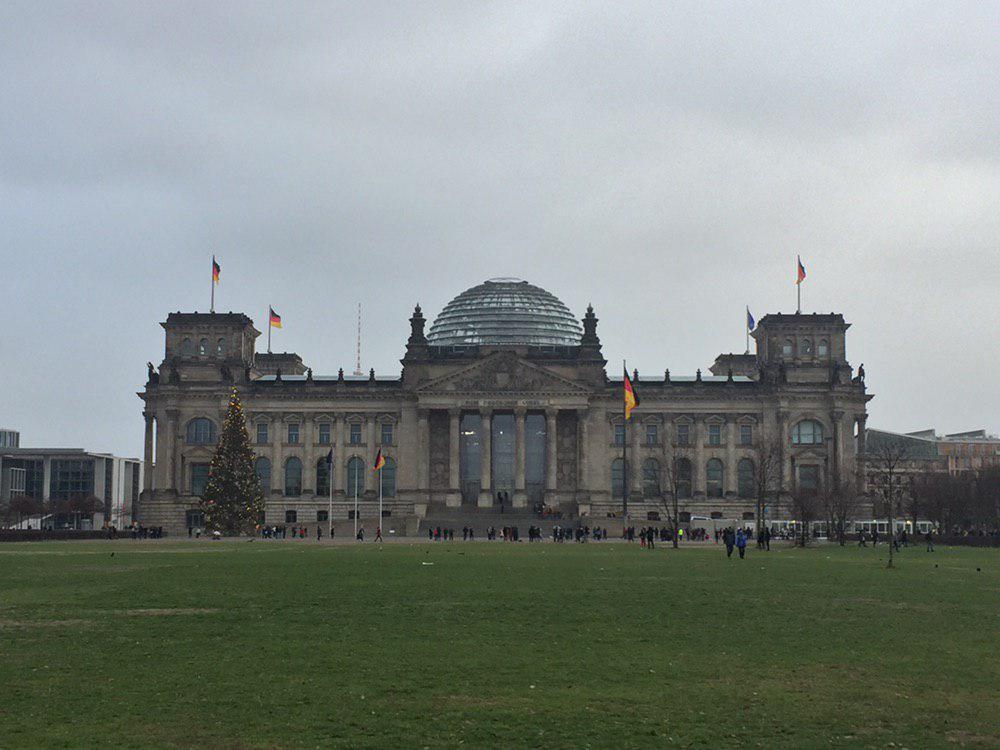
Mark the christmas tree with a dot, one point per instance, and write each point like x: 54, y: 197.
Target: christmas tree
x: 233, y: 501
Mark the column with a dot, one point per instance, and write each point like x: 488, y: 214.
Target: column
x: 278, y: 437
x: 699, y: 489
x: 485, y: 460
x: 520, y: 499
x: 783, y: 472
x: 635, y: 485
x: 730, y: 476
x: 338, y: 452
x: 551, y: 457
x: 308, y: 437
x: 370, y: 424
x: 147, y: 454
x: 423, y: 449
x: 583, y: 438
x: 454, y: 496
x: 170, y: 480
x: 861, y: 459
x: 835, y: 417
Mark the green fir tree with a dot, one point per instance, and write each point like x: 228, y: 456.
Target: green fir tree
x: 233, y: 501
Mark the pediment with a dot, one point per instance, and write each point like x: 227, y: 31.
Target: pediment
x: 503, y: 372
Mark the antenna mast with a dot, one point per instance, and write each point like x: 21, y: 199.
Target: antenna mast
x: 357, y: 366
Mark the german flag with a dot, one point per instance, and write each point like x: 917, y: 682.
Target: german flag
x: 802, y: 272
x: 631, y: 397
x: 216, y: 270
x: 379, y: 460
x: 275, y: 318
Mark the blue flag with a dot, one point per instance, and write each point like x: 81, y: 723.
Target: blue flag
x: 750, y: 321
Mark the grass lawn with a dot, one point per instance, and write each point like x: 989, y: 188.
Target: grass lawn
x: 290, y: 643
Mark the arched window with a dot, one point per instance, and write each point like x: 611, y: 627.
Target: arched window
x: 201, y: 431
x: 807, y: 432
x: 745, y: 477
x: 203, y: 347
x: 807, y: 347
x: 322, y: 476
x: 262, y: 468
x: 651, y: 478
x: 220, y: 348
x: 388, y: 475
x: 786, y: 348
x: 355, y: 477
x: 187, y: 348
x: 293, y: 477
x: 682, y: 479
x: 824, y: 347
x: 617, y: 478
x: 713, y: 477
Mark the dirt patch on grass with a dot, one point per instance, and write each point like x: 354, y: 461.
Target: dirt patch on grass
x: 961, y: 737
x: 165, y: 612
x: 4, y: 623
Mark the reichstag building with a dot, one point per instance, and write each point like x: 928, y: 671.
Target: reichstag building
x: 506, y: 397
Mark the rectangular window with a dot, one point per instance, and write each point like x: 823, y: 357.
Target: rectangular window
x: 199, y: 478
x: 262, y: 433
x: 71, y: 478
x: 652, y: 434
x: 683, y: 434
x: 135, y: 482
x: 322, y: 516
x: 355, y: 433
x: 386, y: 433
x: 293, y: 434
x: 809, y: 478
x: 619, y: 434
x: 715, y: 434
x: 746, y: 434
x: 291, y: 516
x: 109, y: 479
x: 324, y: 433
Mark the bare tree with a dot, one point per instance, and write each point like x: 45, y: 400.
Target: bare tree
x: 668, y: 494
x: 805, y: 505
x: 887, y: 461
x: 21, y: 507
x: 766, y: 475
x: 840, y: 503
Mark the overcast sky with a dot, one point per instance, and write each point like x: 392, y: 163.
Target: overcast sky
x: 664, y: 161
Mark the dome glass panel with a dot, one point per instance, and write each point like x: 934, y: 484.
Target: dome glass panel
x: 505, y: 312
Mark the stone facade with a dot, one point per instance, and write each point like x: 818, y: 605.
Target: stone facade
x: 538, y: 424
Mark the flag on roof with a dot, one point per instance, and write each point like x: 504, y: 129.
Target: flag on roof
x: 275, y: 318
x: 631, y: 397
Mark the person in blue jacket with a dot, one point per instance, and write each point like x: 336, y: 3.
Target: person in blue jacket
x: 741, y: 543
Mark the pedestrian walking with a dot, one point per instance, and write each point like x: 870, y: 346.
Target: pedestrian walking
x: 741, y: 543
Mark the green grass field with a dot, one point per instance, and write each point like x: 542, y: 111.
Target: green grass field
x: 288, y: 644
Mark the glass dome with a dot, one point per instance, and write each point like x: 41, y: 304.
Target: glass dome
x: 505, y: 312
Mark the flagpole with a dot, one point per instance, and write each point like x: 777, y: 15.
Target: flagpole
x: 379, y: 527
x: 624, y: 443
x: 355, y: 502
x: 329, y: 481
x: 212, y: 306
x: 798, y: 284
x: 269, y: 327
